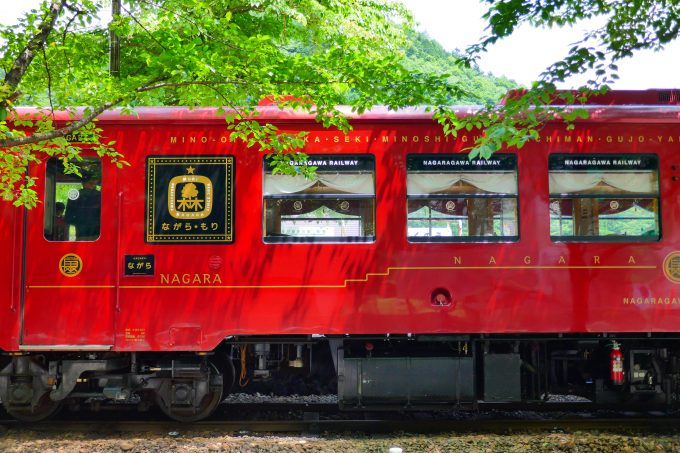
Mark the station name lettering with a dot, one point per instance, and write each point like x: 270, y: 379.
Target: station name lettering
x: 190, y: 279
x: 199, y: 137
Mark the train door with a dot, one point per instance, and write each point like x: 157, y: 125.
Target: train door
x: 70, y: 256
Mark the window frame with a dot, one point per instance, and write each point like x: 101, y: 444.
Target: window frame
x: 325, y: 165
x: 650, y: 161
x: 458, y: 163
x: 54, y: 167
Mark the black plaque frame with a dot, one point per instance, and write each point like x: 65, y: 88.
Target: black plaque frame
x: 206, y: 218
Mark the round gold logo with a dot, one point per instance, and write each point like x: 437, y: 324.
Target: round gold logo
x: 671, y: 267
x: 70, y: 265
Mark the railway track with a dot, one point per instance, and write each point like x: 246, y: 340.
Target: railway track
x: 643, y: 424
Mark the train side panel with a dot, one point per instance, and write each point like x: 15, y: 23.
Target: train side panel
x: 11, y: 222
x: 197, y: 294
x: 535, y: 285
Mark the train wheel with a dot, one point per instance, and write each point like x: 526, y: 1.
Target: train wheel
x: 43, y: 410
x: 191, y: 412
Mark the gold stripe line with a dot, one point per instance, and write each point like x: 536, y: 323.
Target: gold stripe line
x: 347, y: 281
x: 235, y: 287
x: 69, y: 286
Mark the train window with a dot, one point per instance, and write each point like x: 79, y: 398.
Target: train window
x: 72, y: 202
x: 451, y: 198
x: 604, y: 197
x: 338, y: 205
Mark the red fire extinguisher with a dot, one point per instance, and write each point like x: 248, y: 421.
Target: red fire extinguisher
x: 616, y: 360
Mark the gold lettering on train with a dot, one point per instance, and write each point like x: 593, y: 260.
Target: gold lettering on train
x: 527, y: 260
x: 457, y: 260
x: 395, y: 137
x: 191, y: 279
x: 667, y: 139
x: 563, y: 139
x: 562, y: 260
x: 135, y: 334
x: 631, y: 260
x: 596, y: 260
x: 651, y: 301
x: 492, y: 260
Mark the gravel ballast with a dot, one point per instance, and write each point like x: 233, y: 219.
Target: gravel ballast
x: 22, y: 441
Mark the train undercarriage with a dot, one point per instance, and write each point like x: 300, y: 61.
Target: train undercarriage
x: 366, y: 372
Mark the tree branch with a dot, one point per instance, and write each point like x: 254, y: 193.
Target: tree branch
x: 66, y: 130
x: 160, y: 44
x: 61, y: 132
x: 23, y: 61
x: 49, y: 79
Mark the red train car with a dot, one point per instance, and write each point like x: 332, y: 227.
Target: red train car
x: 403, y: 274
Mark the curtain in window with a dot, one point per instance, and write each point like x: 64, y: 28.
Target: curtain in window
x: 607, y: 206
x: 634, y: 182
x: 355, y: 183
x: 459, y: 206
x: 427, y: 183
x: 297, y: 207
x: 456, y: 206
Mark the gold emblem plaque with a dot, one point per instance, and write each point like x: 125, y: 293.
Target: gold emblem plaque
x: 190, y: 205
x: 70, y: 265
x: 671, y: 267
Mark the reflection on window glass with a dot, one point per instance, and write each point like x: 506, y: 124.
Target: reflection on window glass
x: 338, y: 205
x: 72, y: 202
x: 453, y: 198
x: 604, y: 197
